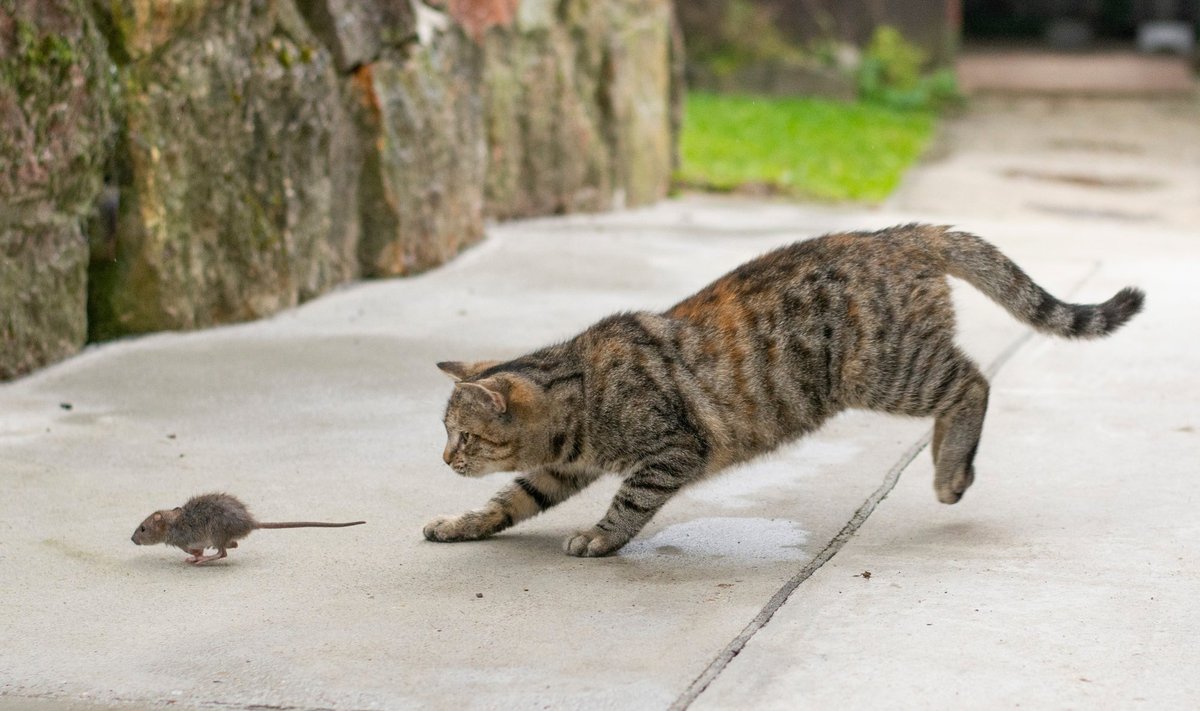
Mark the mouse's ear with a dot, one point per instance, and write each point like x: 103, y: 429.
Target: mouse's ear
x: 157, y: 516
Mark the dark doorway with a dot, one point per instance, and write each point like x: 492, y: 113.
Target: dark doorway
x: 1071, y: 24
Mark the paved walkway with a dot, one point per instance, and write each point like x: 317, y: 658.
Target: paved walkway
x: 1069, y: 159
x: 1109, y: 73
x: 1066, y: 578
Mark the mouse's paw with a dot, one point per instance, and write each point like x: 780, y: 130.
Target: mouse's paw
x: 447, y: 529
x: 209, y: 558
x: 594, y: 543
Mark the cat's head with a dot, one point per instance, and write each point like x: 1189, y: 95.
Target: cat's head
x: 494, y: 424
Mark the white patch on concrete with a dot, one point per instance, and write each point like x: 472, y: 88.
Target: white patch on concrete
x: 745, y: 538
x: 19, y: 425
x: 744, y: 485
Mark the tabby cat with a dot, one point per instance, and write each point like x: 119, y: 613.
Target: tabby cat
x: 758, y: 358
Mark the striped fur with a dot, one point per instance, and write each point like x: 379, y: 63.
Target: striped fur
x: 758, y: 358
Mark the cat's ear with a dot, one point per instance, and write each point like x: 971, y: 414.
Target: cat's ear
x: 487, y: 394
x: 457, y: 370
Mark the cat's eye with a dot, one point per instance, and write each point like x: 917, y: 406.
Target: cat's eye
x: 466, y: 437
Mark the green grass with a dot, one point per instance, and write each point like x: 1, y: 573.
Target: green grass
x: 811, y: 148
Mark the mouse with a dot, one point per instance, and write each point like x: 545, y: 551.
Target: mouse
x: 216, y: 520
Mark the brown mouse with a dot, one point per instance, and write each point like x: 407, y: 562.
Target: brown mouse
x: 209, y: 521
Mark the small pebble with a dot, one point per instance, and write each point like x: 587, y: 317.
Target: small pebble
x: 478, y: 594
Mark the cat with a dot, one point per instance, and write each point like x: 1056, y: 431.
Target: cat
x: 758, y: 358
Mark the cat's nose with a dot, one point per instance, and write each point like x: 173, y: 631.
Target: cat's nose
x: 447, y: 454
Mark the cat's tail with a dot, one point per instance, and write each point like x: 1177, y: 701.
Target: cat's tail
x: 983, y: 266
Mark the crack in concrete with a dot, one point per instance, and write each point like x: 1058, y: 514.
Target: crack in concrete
x: 781, y: 596
x: 847, y: 531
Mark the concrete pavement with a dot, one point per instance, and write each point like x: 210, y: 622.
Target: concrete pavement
x: 1071, y: 159
x: 1099, y: 73
x: 1066, y: 577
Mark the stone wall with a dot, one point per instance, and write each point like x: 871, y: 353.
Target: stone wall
x: 56, y: 130
x: 174, y: 165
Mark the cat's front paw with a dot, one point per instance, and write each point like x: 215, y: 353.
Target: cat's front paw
x: 593, y: 543
x: 446, y: 529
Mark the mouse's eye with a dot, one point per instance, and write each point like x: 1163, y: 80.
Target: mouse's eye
x: 142, y: 529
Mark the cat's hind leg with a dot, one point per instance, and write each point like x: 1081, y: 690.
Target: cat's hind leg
x: 942, y: 381
x: 527, y: 496
x: 956, y: 434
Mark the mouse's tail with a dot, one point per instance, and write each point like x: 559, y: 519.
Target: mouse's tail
x: 306, y: 524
